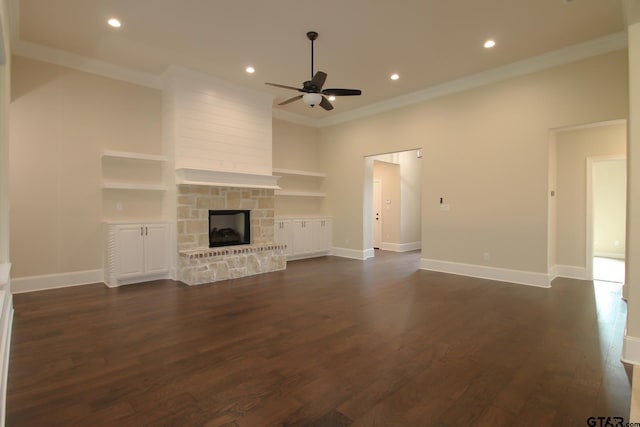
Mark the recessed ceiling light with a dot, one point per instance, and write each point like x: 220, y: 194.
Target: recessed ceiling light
x: 250, y: 70
x: 114, y: 22
x: 489, y: 44
x: 332, y: 98
x: 395, y: 76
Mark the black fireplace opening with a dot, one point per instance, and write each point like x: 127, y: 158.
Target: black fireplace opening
x: 229, y: 227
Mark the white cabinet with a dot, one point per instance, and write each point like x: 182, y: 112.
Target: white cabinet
x: 304, y: 237
x: 321, y: 230
x: 284, y: 234
x: 136, y: 252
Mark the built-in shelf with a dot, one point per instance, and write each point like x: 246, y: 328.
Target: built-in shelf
x: 135, y: 156
x: 123, y: 178
x: 133, y: 186
x: 295, y: 193
x: 299, y: 173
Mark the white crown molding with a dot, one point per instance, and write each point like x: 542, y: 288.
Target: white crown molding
x: 82, y: 63
x: 548, y: 60
x: 537, y: 63
x: 491, y: 273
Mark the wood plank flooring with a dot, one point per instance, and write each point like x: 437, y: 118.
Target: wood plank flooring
x: 328, y: 342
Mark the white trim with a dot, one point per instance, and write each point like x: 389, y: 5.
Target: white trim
x: 553, y: 273
x: 369, y: 253
x: 612, y: 255
x: 89, y: 65
x: 350, y: 253
x: 545, y: 61
x: 299, y: 173
x: 631, y: 350
x: 54, y: 281
x: 492, y: 273
x: 5, y: 348
x: 5, y: 269
x: 225, y: 179
x: 401, y: 247
x: 570, y: 272
x: 134, y: 156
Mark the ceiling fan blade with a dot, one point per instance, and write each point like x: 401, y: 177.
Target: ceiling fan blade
x: 326, y: 104
x: 318, y: 80
x: 290, y: 100
x: 342, y: 92
x: 284, y: 87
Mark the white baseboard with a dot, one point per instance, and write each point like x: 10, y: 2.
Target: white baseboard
x: 401, y: 247
x: 483, y: 272
x: 6, y: 305
x: 369, y: 253
x: 351, y: 253
x: 570, y: 272
x: 631, y: 350
x: 53, y: 281
x: 613, y: 255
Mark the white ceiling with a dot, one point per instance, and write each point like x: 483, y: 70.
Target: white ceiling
x: 361, y: 42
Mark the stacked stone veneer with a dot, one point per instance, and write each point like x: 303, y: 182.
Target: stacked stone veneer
x: 197, y: 263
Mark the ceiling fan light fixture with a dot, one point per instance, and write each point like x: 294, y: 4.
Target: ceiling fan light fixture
x: 312, y: 99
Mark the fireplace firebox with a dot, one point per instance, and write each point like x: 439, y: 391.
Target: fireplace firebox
x: 229, y: 227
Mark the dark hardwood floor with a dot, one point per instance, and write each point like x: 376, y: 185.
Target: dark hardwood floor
x: 328, y: 342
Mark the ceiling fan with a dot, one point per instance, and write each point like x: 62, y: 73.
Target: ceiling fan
x: 313, y: 92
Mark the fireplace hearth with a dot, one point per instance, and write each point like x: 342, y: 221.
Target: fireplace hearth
x: 229, y: 227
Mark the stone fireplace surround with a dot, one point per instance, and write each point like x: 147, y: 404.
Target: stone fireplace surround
x: 197, y: 263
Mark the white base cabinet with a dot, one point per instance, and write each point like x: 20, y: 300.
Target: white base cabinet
x: 136, y: 252
x: 304, y: 237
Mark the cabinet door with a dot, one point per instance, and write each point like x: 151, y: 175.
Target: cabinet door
x: 129, y: 251
x: 156, y: 249
x: 286, y: 236
x: 302, y: 237
x: 321, y: 235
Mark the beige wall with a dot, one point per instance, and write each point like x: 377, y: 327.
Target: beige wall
x: 609, y: 208
x: 573, y: 149
x: 299, y: 148
x: 61, y: 121
x: 5, y: 91
x: 486, y: 152
x: 389, y: 176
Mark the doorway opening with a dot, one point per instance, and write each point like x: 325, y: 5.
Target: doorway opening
x: 606, y: 217
x: 392, y: 207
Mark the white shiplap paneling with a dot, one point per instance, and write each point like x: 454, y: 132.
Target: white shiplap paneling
x: 216, y: 125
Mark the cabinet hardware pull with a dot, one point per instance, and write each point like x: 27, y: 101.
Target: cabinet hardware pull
x: 146, y: 231
x: 142, y: 231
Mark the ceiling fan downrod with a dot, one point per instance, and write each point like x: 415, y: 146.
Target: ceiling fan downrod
x: 312, y: 35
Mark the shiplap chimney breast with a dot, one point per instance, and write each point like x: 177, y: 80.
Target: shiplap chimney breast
x: 216, y: 126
